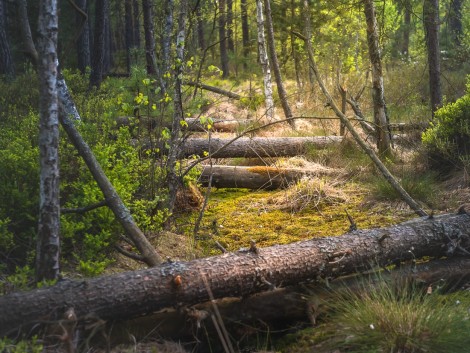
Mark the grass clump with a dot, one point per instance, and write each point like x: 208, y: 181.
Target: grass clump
x: 387, y: 317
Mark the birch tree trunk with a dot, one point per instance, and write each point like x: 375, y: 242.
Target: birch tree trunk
x: 7, y: 67
x: 431, y: 29
x: 167, y: 35
x: 380, y: 114
x: 48, y: 241
x: 275, y: 64
x: 264, y: 60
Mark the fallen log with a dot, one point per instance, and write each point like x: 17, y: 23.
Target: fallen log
x: 213, y: 89
x: 241, y: 273
x: 255, y: 177
x: 257, y: 146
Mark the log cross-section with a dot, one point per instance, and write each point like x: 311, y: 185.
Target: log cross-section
x: 240, y: 273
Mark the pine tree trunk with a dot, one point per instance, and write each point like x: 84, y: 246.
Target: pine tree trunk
x: 455, y: 22
x: 200, y: 28
x: 136, y: 22
x: 230, y: 43
x: 7, y: 67
x: 308, y: 35
x: 97, y: 67
x: 223, y: 39
x: 264, y: 60
x: 25, y: 30
x: 150, y: 54
x: 405, y: 49
x: 245, y: 33
x: 380, y: 113
x: 128, y: 32
x: 48, y: 241
x: 275, y: 63
x: 83, y: 43
x: 431, y: 28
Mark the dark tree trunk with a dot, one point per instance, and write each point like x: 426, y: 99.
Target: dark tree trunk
x: 308, y: 35
x: 275, y: 63
x: 69, y: 111
x: 237, y: 274
x: 6, y: 62
x: 167, y: 35
x: 48, y: 241
x: 136, y: 23
x: 255, y: 178
x: 455, y: 22
x: 128, y: 32
x: 431, y: 29
x: 230, y: 44
x: 223, y: 39
x: 173, y: 178
x: 200, y: 27
x: 150, y: 54
x: 108, y: 43
x: 245, y: 33
x: 97, y: 67
x: 405, y: 48
x: 83, y: 43
x: 380, y: 114
x: 25, y: 30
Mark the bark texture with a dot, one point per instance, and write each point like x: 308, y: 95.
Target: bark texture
x: 236, y: 274
x: 6, y: 62
x: 245, y: 33
x: 258, y: 177
x: 223, y: 39
x: 150, y: 54
x: 380, y: 113
x: 83, y: 41
x: 264, y: 60
x: 25, y: 31
x: 431, y: 29
x: 256, y: 146
x: 68, y: 111
x: 97, y: 66
x: 48, y: 241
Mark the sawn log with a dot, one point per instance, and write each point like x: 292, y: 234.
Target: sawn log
x: 241, y: 273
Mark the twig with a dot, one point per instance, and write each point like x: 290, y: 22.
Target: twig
x: 84, y: 209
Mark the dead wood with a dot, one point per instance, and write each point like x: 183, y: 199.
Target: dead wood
x: 213, y: 89
x: 237, y: 274
x: 255, y: 177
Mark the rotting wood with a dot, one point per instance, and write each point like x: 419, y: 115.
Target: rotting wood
x: 236, y: 274
x: 255, y: 177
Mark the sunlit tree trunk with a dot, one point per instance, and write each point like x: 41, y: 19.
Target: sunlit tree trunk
x: 6, y: 62
x: 264, y: 60
x: 275, y: 64
x: 25, y: 30
x: 431, y: 28
x: 83, y: 42
x: 380, y: 114
x: 97, y: 67
x: 245, y: 33
x: 150, y: 55
x: 48, y: 241
x: 223, y: 39
x: 308, y: 35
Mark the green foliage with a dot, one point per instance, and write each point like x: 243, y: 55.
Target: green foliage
x: 21, y: 279
x: 448, y: 138
x: 30, y: 346
x: 400, y: 317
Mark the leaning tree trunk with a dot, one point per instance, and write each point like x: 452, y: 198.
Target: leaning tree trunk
x: 7, y: 67
x: 237, y: 274
x: 68, y: 111
x: 383, y: 134
x: 150, y: 55
x: 275, y: 64
x: 48, y: 241
x: 431, y: 29
x: 97, y: 64
x: 264, y: 60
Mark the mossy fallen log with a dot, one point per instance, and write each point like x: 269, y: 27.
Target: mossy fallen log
x: 237, y: 274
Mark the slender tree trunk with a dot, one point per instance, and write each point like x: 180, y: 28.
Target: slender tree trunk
x: 97, y: 67
x: 308, y: 35
x: 200, y: 27
x: 380, y: 113
x: 7, y: 67
x: 109, y: 46
x: 150, y: 54
x: 295, y: 53
x: 174, y: 180
x: 264, y: 60
x: 83, y: 43
x: 230, y: 43
x: 48, y: 241
x: 455, y: 22
x: 431, y: 29
x: 223, y: 39
x: 136, y: 23
x: 167, y: 35
x: 25, y: 30
x: 69, y: 111
x: 405, y: 49
x: 275, y: 64
x: 128, y: 32
x: 245, y: 33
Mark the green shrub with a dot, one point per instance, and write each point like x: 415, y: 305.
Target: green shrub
x: 448, y: 138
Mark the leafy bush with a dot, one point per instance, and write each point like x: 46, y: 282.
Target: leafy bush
x: 448, y: 138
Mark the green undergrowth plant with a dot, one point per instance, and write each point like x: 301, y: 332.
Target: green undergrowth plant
x: 396, y: 317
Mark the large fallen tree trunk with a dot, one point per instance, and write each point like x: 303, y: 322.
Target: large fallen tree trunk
x: 241, y: 273
x: 257, y: 177
x: 257, y: 146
